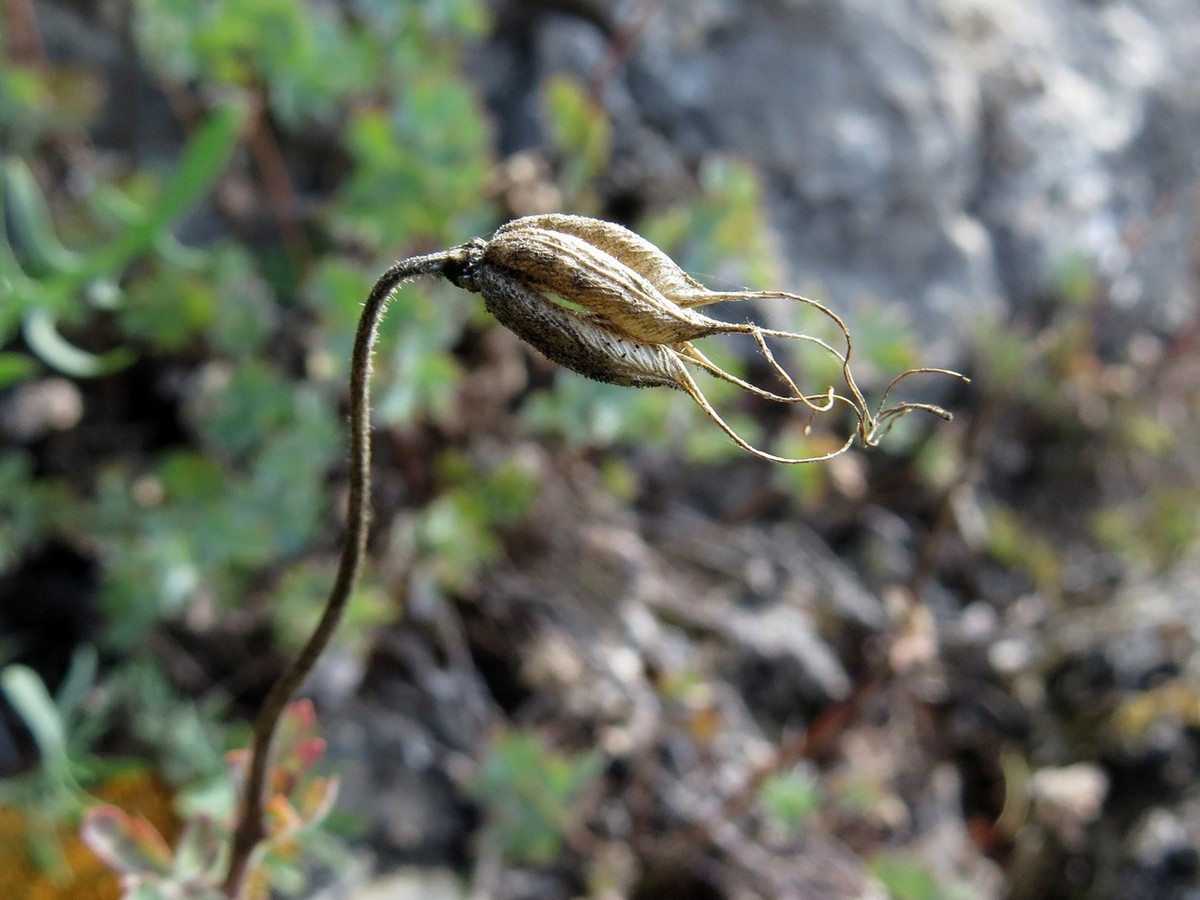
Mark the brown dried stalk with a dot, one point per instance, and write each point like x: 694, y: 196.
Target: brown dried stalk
x: 249, y: 829
x: 599, y: 300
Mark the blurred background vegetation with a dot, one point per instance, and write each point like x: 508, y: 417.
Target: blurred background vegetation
x: 197, y: 197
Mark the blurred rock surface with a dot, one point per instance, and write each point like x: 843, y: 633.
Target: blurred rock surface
x: 954, y: 159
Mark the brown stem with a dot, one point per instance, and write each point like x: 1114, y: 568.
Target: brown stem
x: 281, y: 193
x: 24, y: 39
x: 249, y: 830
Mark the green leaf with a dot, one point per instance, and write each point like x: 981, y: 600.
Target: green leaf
x: 30, y: 221
x: 41, y: 333
x: 203, y: 160
x: 81, y: 676
x: 791, y: 797
x: 18, y: 292
x: 28, y: 695
x: 906, y: 879
x: 15, y: 368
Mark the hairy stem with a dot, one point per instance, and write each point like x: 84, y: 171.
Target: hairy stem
x: 249, y: 830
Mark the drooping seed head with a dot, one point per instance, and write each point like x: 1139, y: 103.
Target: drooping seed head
x: 604, y: 302
x: 591, y: 273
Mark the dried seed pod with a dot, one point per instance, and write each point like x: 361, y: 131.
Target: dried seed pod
x: 606, y: 303
x: 626, y: 246
x: 580, y: 342
x: 560, y: 263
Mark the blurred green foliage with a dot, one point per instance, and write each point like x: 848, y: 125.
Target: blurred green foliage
x: 31, y: 509
x: 69, y: 726
x: 580, y: 140
x: 531, y: 795
x: 64, y: 732
x: 246, y: 490
x: 304, y: 56
x: 35, y: 103
x: 456, y: 533
x: 229, y: 504
x: 43, y: 283
x: 1095, y: 421
x: 906, y: 878
x: 790, y: 798
x: 63, y: 729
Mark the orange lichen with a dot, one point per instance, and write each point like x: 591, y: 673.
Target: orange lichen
x: 84, y: 876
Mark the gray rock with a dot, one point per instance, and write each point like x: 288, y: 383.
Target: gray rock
x: 953, y: 160
x: 37, y: 408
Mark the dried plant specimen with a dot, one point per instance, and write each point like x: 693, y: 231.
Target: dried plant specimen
x: 602, y: 301
x: 597, y: 299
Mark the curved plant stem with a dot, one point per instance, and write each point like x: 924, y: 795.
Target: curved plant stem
x: 250, y: 830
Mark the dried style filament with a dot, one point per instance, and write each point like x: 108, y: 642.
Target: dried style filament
x: 886, y: 417
x: 688, y: 384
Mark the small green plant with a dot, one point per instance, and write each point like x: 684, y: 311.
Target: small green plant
x: 299, y: 799
x: 72, y: 776
x: 905, y: 878
x: 42, y: 283
x: 29, y: 509
x: 531, y: 795
x: 210, y: 519
x: 454, y: 536
x: 64, y: 731
x: 790, y: 799
x: 909, y: 878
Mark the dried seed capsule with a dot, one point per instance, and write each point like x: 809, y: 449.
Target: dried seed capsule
x: 577, y: 341
x: 635, y: 289
x: 624, y: 245
x: 609, y: 270
x: 602, y: 301
x: 556, y: 262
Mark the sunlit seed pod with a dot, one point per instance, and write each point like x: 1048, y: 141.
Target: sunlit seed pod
x: 604, y: 302
x: 581, y: 342
x: 558, y: 263
x: 627, y: 247
x: 606, y: 269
